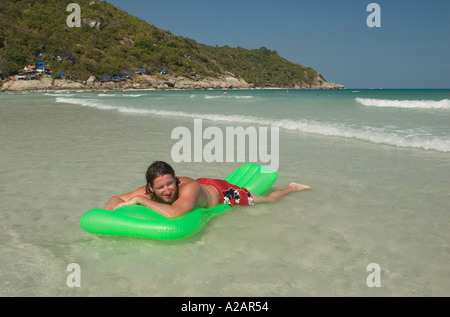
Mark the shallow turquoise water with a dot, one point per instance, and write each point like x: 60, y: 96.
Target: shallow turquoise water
x: 378, y: 160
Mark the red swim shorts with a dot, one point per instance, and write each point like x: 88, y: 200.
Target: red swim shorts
x: 229, y: 194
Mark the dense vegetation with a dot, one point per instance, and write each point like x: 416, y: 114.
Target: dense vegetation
x: 110, y: 41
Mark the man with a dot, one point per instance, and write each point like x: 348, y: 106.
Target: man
x: 174, y: 196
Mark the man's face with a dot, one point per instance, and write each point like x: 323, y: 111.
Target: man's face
x: 165, y: 188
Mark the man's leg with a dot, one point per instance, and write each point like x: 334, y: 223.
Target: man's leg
x: 274, y: 196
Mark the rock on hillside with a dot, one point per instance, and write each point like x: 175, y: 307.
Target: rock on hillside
x: 156, y: 82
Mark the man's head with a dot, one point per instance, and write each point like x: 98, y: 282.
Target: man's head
x: 161, y: 182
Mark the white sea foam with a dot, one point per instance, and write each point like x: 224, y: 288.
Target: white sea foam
x: 59, y: 94
x: 87, y: 103
x: 101, y: 94
x: 131, y: 95
x: 369, y: 134
x: 243, y: 97
x: 391, y: 136
x: 227, y: 96
x: 408, y: 104
x: 212, y: 97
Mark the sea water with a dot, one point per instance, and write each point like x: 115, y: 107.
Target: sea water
x: 376, y: 223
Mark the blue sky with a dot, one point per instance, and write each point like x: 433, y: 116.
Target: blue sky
x: 411, y: 49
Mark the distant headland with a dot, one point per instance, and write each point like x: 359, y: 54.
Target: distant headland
x: 112, y: 50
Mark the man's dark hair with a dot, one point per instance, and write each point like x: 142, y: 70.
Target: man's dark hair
x: 156, y: 169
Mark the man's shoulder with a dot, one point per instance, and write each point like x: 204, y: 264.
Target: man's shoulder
x: 187, y: 182
x: 188, y: 187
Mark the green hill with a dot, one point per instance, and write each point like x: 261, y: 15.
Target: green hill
x: 111, y: 41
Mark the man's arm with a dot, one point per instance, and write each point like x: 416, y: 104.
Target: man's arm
x: 186, y: 202
x: 115, y: 201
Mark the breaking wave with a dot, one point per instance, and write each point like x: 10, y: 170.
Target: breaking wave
x: 408, y: 104
x: 226, y: 96
x: 364, y: 133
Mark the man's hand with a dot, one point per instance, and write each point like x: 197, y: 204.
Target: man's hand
x: 136, y: 200
x: 112, y: 203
